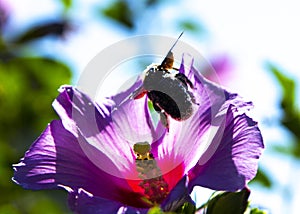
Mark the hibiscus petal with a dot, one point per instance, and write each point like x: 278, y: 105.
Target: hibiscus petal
x: 57, y: 160
x: 107, y: 133
x: 177, y: 197
x: 235, y: 160
x: 81, y: 116
x: 133, y: 121
x: 188, y: 141
x: 132, y: 118
x: 125, y: 95
x: 82, y: 202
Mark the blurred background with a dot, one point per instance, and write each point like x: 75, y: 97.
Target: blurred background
x: 253, y: 46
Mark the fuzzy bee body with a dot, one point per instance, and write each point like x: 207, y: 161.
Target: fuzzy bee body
x: 168, y: 91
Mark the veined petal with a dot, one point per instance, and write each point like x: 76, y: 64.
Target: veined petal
x: 188, y: 140
x: 132, y: 118
x: 133, y: 121
x: 57, y: 160
x: 108, y: 127
x: 177, y: 197
x: 232, y: 131
x: 83, y: 117
x: 228, y: 165
x: 125, y: 95
x: 82, y: 202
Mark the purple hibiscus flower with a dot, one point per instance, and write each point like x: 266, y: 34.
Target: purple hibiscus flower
x: 112, y: 158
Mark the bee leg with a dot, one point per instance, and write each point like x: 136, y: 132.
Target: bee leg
x: 184, y: 80
x: 164, y: 120
x: 193, y: 99
x: 156, y: 107
x: 163, y: 116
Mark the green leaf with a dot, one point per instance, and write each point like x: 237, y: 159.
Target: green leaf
x: 191, y: 26
x: 291, y: 114
x: 48, y: 207
x: 257, y: 211
x: 297, y: 149
x: 39, y: 202
x: 27, y: 89
x: 152, y: 2
x: 9, y: 209
x: 262, y: 178
x: 57, y: 28
x: 287, y: 86
x: 187, y: 208
x: 291, y: 150
x: 155, y: 210
x: 286, y: 149
x: 67, y: 4
x: 229, y: 202
x: 120, y: 12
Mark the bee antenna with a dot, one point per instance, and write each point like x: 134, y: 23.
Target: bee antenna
x: 176, y: 41
x: 170, y: 51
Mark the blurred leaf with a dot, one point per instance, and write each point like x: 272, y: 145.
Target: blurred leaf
x: 155, y: 210
x: 228, y: 202
x: 120, y: 12
x: 9, y: 209
x: 257, y: 211
x: 151, y: 3
x: 46, y: 205
x: 27, y: 89
x: 297, y: 149
x: 287, y: 86
x: 56, y: 28
x: 291, y: 116
x: 187, y: 208
x: 293, y: 150
x: 67, y: 4
x: 6, y: 157
x: 191, y: 26
x: 262, y: 179
x: 286, y: 150
x: 39, y: 202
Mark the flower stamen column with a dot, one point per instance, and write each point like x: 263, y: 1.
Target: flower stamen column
x: 155, y: 187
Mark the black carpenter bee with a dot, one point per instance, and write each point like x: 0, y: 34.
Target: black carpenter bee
x: 168, y: 91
